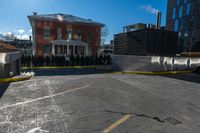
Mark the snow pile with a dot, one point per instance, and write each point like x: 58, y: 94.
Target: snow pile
x: 31, y: 74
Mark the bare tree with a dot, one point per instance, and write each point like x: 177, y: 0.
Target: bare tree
x: 104, y: 34
x: 7, y: 36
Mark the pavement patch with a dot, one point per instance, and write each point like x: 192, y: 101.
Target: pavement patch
x: 154, y: 73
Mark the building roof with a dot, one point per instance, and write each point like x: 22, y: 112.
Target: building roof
x: 6, y: 48
x: 64, y: 18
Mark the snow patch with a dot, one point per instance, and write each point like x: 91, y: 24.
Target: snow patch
x: 37, y: 130
x: 28, y: 74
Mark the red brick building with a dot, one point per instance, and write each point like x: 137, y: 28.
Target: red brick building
x: 62, y: 34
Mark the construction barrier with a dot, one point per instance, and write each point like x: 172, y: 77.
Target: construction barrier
x: 153, y: 63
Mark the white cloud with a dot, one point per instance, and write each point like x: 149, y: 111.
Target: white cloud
x: 7, y: 33
x: 23, y: 37
x: 150, y: 9
x: 21, y: 31
x: 30, y: 31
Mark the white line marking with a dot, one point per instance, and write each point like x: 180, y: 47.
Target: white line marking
x: 45, y: 97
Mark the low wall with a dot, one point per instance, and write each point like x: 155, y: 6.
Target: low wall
x: 6, y: 58
x: 9, y: 64
x: 153, y: 63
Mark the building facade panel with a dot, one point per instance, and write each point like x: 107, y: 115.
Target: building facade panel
x: 147, y: 42
x: 183, y: 16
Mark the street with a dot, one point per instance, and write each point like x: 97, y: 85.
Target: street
x: 101, y: 103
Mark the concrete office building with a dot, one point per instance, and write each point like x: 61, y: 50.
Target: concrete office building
x: 183, y: 16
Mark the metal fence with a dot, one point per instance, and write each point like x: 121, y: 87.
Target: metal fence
x: 35, y: 61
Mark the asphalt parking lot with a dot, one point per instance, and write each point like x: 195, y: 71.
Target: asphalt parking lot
x: 101, y: 103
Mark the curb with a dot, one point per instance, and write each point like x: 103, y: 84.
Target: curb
x: 155, y: 73
x: 63, y: 67
x: 108, y: 69
x: 10, y: 80
x: 59, y: 67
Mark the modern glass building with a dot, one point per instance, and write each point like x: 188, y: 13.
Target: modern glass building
x: 183, y: 16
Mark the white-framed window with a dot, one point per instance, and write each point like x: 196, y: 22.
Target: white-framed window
x: 46, y: 49
x: 79, y: 34
x: 90, y: 36
x: 46, y: 33
x: 59, y: 33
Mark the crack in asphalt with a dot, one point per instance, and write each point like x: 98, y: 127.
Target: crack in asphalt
x: 116, y: 112
x: 169, y: 120
x: 149, y: 117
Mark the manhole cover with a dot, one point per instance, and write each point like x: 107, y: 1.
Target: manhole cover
x: 173, y: 121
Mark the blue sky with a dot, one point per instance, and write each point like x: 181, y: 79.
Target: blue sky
x: 114, y: 13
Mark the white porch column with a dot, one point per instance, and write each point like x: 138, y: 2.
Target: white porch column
x: 53, y: 49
